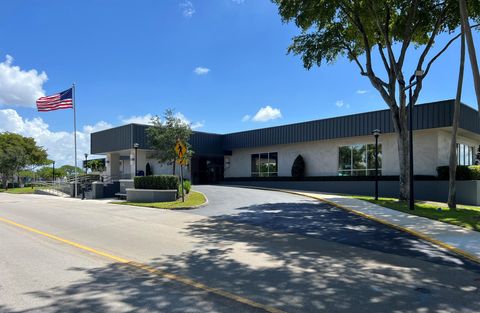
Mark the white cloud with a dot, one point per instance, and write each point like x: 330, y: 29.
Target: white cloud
x: 195, y: 125
x: 246, y: 118
x: 147, y: 120
x: 187, y: 9
x: 266, y: 114
x: 339, y: 103
x: 19, y: 87
x: 140, y: 119
x: 201, y: 70
x: 361, y: 91
x: 59, y: 144
x: 238, y: 1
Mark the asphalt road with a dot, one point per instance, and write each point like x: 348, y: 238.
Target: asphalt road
x: 276, y: 249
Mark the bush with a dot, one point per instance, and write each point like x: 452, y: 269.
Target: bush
x: 298, y: 167
x: 474, y: 172
x: 471, y: 172
x: 161, y: 182
x: 187, y: 185
x: 148, y: 170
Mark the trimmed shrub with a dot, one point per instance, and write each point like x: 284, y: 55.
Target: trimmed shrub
x: 471, y: 172
x: 187, y: 185
x: 298, y: 167
x: 148, y: 170
x: 474, y: 172
x: 160, y: 182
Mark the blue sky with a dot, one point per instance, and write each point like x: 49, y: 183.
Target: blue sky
x: 133, y: 58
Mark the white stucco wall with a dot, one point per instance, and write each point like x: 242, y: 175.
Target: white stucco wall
x: 166, y: 169
x: 463, y: 137
x: 321, y: 157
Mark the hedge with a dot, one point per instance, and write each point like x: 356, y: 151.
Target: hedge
x: 471, y: 172
x: 161, y: 182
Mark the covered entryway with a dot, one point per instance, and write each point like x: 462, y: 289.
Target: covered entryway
x: 207, y: 169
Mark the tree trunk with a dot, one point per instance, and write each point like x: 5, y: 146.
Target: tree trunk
x: 452, y: 189
x: 400, y: 125
x: 471, y: 49
x: 403, y: 162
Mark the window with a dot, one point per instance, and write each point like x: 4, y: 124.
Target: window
x: 264, y: 164
x: 465, y: 154
x: 358, y: 160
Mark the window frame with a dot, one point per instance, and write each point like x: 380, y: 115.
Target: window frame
x: 268, y: 165
x: 352, y: 170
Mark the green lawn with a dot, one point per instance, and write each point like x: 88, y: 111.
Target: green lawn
x: 465, y: 216
x: 19, y: 190
x: 193, y: 199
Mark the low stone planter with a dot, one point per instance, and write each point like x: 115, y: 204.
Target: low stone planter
x: 150, y: 195
x: 124, y: 184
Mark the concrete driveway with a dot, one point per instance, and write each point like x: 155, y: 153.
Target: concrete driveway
x: 277, y: 249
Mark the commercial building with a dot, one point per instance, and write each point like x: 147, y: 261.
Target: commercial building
x: 340, y: 146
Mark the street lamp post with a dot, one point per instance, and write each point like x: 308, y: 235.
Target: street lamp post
x: 135, y: 146
x: 411, y: 198
x: 53, y: 174
x: 86, y: 164
x: 376, y: 133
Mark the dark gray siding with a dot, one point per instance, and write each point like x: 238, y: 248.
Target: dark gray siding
x: 123, y: 138
x: 113, y: 139
x: 206, y: 143
x: 429, y: 115
x: 469, y: 119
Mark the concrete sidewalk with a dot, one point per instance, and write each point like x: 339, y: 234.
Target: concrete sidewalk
x: 459, y: 239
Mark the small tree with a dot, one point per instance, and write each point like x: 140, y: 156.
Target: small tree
x: 298, y: 167
x: 96, y: 165
x: 17, y: 153
x: 164, y: 135
x: 46, y: 172
x: 69, y: 170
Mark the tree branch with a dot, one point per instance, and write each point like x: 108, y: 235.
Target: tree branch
x: 432, y: 38
x: 429, y: 64
x: 407, y: 35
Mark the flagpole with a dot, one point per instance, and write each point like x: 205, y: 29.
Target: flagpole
x: 75, y: 135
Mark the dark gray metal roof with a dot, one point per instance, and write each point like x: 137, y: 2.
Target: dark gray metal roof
x: 123, y: 138
x: 428, y: 115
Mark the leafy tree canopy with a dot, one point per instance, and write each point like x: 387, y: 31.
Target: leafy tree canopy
x: 96, y: 165
x: 163, y: 136
x: 46, y: 172
x: 333, y: 28
x: 69, y: 170
x: 17, y: 153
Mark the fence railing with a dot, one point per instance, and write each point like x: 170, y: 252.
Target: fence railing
x: 59, y: 188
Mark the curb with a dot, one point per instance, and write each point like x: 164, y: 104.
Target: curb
x: 415, y: 233
x: 175, y: 209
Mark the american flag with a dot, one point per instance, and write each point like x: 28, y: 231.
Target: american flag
x: 61, y: 100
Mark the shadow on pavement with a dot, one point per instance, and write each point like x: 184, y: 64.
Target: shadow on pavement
x: 122, y: 288
x: 302, y: 257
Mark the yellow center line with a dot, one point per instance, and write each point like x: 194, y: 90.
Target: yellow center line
x: 181, y: 279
